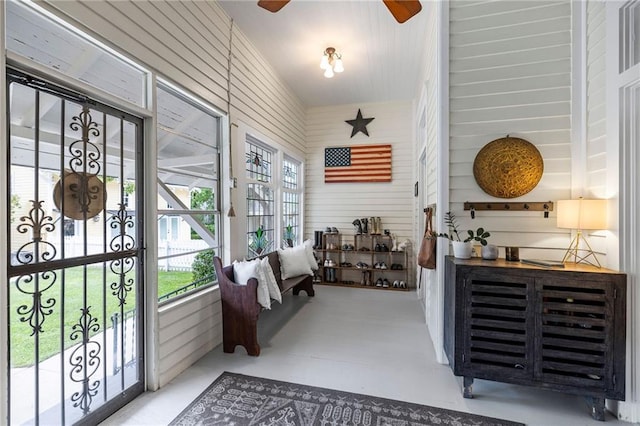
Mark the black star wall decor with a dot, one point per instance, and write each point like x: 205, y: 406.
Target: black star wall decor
x: 359, y: 124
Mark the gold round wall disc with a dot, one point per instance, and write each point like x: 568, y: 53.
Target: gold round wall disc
x: 508, y: 167
x: 81, y: 198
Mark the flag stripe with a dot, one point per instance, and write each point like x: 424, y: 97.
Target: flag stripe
x: 361, y: 163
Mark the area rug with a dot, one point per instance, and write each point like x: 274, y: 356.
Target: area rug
x: 239, y: 400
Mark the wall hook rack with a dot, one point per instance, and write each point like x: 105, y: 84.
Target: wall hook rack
x: 543, y: 206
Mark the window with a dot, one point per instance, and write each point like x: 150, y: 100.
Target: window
x: 291, y: 194
x: 188, y: 185
x: 274, y: 197
x: 260, y: 197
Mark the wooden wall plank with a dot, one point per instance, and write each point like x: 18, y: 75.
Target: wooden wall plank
x: 510, y: 32
x: 510, y: 73
x: 596, y: 139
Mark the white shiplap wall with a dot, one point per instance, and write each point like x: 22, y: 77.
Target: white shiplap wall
x: 193, y: 322
x: 338, y: 204
x: 595, y: 162
x: 596, y: 100
x: 260, y: 100
x: 188, y: 43
x: 427, y: 123
x: 510, y: 73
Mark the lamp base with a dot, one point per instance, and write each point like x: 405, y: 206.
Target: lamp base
x: 573, y: 252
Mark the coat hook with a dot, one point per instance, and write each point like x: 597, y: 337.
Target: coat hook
x: 546, y: 211
x: 473, y: 212
x: 526, y: 206
x: 507, y: 206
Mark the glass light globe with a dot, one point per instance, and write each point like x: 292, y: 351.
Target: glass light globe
x: 338, y: 67
x: 328, y: 72
x: 324, y: 63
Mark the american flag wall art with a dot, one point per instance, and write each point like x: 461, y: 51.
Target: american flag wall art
x: 358, y: 163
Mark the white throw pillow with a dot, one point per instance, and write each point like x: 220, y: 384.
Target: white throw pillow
x: 272, y: 284
x: 294, y: 262
x: 308, y: 245
x: 244, y: 270
x: 264, y: 299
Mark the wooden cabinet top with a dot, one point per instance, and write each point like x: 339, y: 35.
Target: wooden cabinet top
x: 517, y: 265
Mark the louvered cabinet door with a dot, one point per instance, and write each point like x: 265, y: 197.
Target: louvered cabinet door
x: 498, y: 326
x: 578, y: 331
x: 562, y: 329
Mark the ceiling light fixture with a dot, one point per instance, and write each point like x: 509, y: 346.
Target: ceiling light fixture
x: 331, y: 62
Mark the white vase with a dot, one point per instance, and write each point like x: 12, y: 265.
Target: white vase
x: 489, y: 252
x: 462, y: 250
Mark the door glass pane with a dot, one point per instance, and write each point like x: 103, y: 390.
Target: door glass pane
x: 74, y: 273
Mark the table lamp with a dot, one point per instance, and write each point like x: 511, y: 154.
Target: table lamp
x: 581, y: 214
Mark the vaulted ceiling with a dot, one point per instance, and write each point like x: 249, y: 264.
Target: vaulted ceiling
x: 382, y: 58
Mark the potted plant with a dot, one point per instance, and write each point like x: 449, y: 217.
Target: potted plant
x: 289, y: 236
x: 462, y: 247
x: 259, y: 241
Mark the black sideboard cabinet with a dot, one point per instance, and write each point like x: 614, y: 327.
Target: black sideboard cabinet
x: 561, y: 329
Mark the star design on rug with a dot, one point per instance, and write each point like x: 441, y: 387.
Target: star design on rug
x: 359, y: 124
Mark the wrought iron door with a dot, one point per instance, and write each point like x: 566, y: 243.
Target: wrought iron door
x: 75, y: 266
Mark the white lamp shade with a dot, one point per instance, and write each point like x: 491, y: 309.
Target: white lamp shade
x: 338, y: 67
x: 324, y: 62
x: 582, y: 214
x: 328, y: 72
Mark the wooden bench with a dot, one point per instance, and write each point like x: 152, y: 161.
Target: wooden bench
x: 240, y: 307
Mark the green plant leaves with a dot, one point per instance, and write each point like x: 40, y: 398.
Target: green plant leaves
x: 480, y: 234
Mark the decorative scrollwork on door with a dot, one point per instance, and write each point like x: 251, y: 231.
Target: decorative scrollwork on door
x: 68, y: 275
x: 122, y: 241
x: 122, y: 287
x: 37, y: 221
x: 121, y: 222
x: 85, y: 359
x: 80, y: 194
x: 36, y: 284
x: 85, y: 154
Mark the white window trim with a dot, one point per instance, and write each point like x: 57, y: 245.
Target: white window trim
x: 238, y: 248
x: 622, y: 154
x: 299, y: 190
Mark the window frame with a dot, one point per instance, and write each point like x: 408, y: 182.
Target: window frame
x: 296, y: 192
x: 168, y: 214
x: 280, y: 152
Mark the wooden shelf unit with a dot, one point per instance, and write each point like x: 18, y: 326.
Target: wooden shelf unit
x: 364, y: 250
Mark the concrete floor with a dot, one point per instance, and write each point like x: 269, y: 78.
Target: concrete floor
x: 357, y: 340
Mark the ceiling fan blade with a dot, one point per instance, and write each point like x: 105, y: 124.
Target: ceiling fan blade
x: 403, y: 10
x: 272, y: 5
